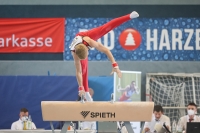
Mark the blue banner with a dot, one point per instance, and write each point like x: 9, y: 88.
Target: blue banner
x: 17, y: 92
x: 28, y: 91
x: 142, y: 39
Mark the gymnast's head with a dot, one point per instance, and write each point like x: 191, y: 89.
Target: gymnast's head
x: 133, y: 84
x: 81, y: 51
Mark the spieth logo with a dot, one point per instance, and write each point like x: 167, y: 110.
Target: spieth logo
x: 85, y: 113
x: 130, y: 39
x: 98, y: 114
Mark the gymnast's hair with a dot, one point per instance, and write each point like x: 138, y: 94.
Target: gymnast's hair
x: 81, y: 51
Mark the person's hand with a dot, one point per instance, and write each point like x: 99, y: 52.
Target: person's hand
x: 118, y: 71
x: 146, y: 129
x: 81, y: 92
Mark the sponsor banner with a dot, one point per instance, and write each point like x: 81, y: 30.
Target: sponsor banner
x: 142, y: 39
x: 127, y: 89
x: 34, y: 35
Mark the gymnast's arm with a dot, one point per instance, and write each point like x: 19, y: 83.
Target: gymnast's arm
x: 137, y: 90
x: 124, y: 89
x: 105, y: 50
x: 78, y: 69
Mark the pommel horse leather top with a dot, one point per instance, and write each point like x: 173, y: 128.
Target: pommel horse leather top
x: 96, y: 111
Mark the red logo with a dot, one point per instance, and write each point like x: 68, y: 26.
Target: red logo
x: 130, y: 39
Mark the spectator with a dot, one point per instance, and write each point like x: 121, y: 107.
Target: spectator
x: 158, y: 119
x: 23, y: 117
x: 190, y: 117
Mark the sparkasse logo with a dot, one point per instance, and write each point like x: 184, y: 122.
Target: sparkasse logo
x: 130, y: 39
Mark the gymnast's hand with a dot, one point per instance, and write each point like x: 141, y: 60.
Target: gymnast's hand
x: 118, y: 71
x: 81, y: 92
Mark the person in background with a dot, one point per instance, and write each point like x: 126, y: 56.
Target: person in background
x: 23, y: 117
x: 190, y: 117
x: 128, y: 91
x: 158, y: 119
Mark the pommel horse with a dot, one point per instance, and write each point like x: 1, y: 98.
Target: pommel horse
x: 96, y: 111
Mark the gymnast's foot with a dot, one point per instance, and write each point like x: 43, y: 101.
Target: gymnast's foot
x: 134, y: 14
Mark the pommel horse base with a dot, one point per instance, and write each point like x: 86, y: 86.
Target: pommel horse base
x: 96, y: 111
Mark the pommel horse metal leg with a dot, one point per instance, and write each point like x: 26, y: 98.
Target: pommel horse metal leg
x: 64, y: 128
x: 52, y: 128
x: 128, y: 127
